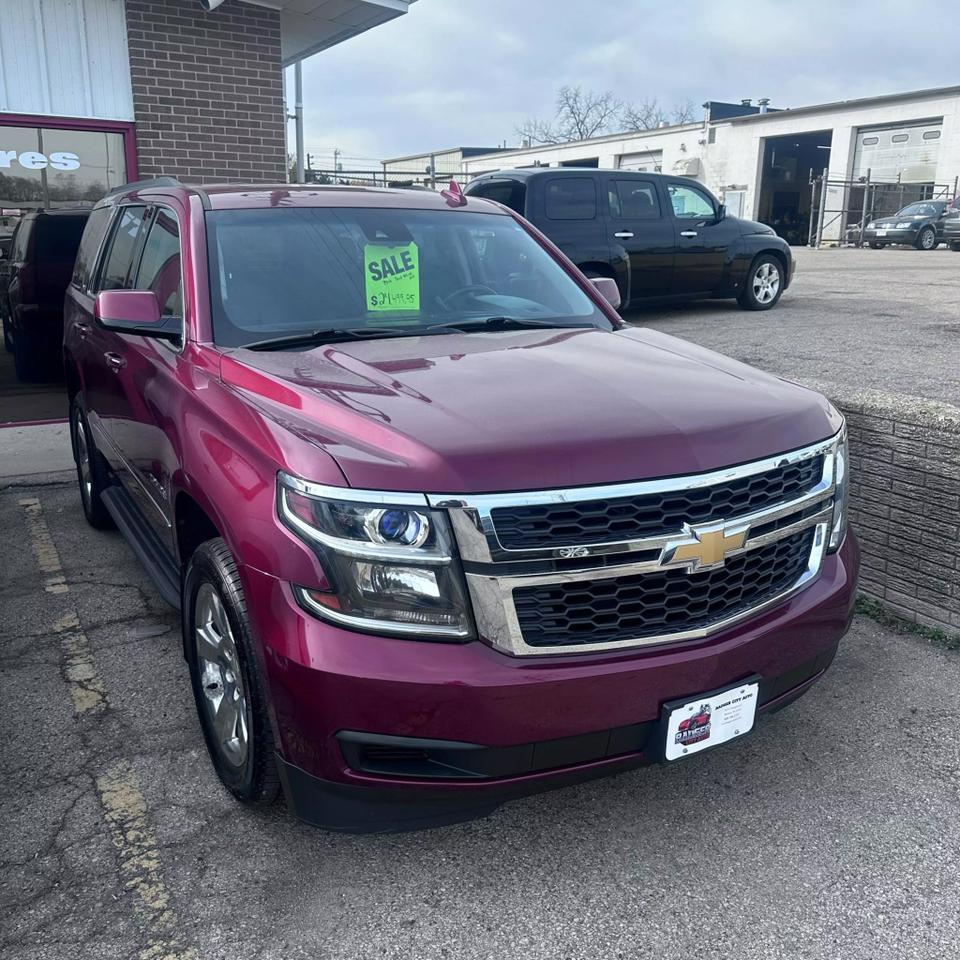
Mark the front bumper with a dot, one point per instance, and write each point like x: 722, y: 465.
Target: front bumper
x: 516, y: 725
x: 892, y: 235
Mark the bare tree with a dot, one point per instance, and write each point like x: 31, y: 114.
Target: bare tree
x: 683, y: 112
x: 648, y: 114
x: 538, y: 132
x: 579, y: 115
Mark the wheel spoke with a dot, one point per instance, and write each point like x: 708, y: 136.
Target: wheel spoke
x: 225, y: 720
x: 208, y: 643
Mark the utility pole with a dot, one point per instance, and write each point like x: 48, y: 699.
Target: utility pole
x: 298, y: 116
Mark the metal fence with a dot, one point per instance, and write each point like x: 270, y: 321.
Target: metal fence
x: 841, y: 209
x: 400, y: 179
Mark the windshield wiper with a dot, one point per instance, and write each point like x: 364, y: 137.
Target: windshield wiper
x: 330, y: 335
x: 507, y: 323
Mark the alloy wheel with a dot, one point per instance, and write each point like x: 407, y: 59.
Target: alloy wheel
x: 221, y: 679
x: 766, y: 282
x: 928, y: 240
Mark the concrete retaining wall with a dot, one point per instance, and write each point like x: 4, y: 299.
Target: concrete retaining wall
x: 905, y: 503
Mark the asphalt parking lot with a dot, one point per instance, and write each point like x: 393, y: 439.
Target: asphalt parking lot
x: 831, y: 832
x: 886, y: 320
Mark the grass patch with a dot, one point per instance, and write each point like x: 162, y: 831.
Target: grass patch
x: 883, y: 615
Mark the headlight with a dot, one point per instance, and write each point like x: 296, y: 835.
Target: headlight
x: 871, y: 225
x: 906, y: 225
x: 390, y: 568
x: 841, y: 478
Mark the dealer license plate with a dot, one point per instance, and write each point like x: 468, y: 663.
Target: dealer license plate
x: 881, y: 233
x: 710, y: 720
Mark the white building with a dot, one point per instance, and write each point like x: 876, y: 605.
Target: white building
x: 760, y: 164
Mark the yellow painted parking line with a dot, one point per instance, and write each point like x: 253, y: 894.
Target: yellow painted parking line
x: 44, y: 549
x: 125, y: 811
x: 87, y: 689
x: 124, y: 807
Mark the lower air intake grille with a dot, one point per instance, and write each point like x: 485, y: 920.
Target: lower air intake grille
x: 654, y: 604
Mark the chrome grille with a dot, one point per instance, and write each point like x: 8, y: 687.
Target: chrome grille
x: 636, y: 564
x: 532, y: 525
x: 650, y: 604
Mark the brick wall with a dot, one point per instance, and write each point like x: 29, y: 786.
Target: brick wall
x: 207, y: 90
x: 905, y: 503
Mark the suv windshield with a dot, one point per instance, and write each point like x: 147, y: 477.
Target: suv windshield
x: 284, y: 272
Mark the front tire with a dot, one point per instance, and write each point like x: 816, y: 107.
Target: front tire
x: 927, y: 239
x: 92, y: 475
x: 230, y: 694
x: 877, y: 246
x: 764, y: 284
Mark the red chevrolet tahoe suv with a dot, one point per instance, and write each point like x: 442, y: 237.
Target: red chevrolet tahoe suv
x: 442, y: 528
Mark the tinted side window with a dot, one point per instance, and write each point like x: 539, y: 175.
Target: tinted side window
x: 634, y: 200
x: 21, y: 238
x: 690, y: 203
x: 160, y: 265
x: 571, y: 198
x: 123, y: 243
x: 93, y: 233
x: 511, y: 193
x: 58, y: 239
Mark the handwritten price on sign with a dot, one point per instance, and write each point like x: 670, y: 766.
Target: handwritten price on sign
x: 392, y: 276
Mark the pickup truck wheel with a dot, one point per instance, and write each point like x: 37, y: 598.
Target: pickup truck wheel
x: 927, y: 239
x: 91, y: 469
x: 764, y: 284
x: 230, y: 694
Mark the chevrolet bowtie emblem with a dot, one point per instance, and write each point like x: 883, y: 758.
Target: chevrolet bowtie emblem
x: 704, y: 546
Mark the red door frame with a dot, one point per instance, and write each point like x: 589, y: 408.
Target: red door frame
x: 123, y: 127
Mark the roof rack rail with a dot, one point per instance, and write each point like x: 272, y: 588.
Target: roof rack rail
x: 143, y: 184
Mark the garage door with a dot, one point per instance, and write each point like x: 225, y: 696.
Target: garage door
x: 910, y: 152
x: 651, y: 161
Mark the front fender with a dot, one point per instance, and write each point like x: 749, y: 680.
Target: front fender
x: 231, y: 454
x: 742, y: 253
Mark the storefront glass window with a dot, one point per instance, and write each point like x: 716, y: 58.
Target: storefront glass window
x: 46, y: 167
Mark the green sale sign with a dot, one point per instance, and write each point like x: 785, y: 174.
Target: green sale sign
x: 392, y: 273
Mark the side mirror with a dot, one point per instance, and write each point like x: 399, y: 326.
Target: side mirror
x: 721, y: 212
x: 135, y: 312
x: 607, y: 289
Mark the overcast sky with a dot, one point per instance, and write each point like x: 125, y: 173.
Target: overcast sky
x: 466, y: 72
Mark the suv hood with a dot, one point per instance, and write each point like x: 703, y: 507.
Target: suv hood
x: 753, y: 227
x: 484, y: 412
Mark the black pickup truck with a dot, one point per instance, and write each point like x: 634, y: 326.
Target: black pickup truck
x: 661, y: 238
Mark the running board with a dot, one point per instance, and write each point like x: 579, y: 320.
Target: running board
x: 144, y: 543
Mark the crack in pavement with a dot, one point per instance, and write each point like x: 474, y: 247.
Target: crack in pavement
x: 100, y: 775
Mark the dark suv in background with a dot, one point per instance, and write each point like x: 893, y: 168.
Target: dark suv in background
x: 33, y: 281
x: 659, y: 237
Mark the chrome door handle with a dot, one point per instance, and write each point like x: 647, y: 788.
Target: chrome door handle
x: 688, y: 233
x: 114, y: 361
x: 623, y: 235
x: 83, y: 329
